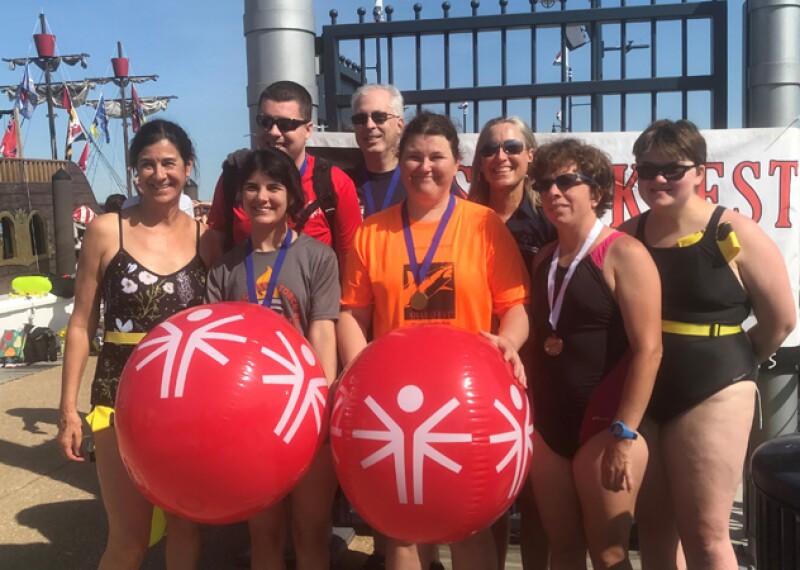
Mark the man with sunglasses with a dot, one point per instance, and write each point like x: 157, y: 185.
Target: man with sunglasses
x: 332, y: 214
x: 378, y: 123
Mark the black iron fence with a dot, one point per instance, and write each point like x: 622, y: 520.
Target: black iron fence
x: 596, y: 68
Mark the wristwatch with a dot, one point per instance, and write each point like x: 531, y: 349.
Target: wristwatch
x: 621, y: 431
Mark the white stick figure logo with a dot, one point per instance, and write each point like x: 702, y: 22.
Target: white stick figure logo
x: 170, y: 346
x: 410, y: 400
x: 313, y: 396
x: 520, y: 435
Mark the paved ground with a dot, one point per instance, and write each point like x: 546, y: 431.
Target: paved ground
x: 50, y: 514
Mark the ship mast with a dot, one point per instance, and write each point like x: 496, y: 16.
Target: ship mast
x: 49, y: 62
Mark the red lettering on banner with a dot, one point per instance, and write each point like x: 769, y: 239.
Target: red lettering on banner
x: 744, y: 188
x: 711, y: 193
x: 787, y: 168
x: 623, y: 195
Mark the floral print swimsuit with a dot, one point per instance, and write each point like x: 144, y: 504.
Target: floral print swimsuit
x: 135, y: 301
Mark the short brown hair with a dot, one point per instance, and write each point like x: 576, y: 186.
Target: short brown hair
x: 589, y: 161
x: 282, y: 91
x: 431, y: 124
x: 679, y: 140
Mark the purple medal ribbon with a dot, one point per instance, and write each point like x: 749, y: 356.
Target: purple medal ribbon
x: 417, y: 270
x: 276, y: 269
x: 389, y: 193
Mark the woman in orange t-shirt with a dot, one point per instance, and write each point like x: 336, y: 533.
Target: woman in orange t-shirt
x: 434, y: 258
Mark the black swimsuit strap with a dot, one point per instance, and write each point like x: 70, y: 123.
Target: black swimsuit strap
x: 640, y: 227
x: 119, y: 222
x: 197, y: 237
x: 713, y: 222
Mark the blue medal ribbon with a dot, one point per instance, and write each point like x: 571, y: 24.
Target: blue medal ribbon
x: 417, y: 270
x: 276, y: 269
x: 304, y: 166
x: 389, y: 193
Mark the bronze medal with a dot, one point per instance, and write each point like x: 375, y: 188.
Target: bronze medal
x: 553, y: 345
x: 419, y: 301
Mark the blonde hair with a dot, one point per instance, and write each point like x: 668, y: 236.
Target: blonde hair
x: 479, y: 188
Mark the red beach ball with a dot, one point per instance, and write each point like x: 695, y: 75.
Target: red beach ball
x: 431, y: 434
x: 220, y: 411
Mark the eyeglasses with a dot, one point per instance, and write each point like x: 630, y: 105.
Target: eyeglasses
x: 562, y: 181
x: 284, y: 125
x: 671, y: 172
x: 510, y: 146
x: 378, y: 117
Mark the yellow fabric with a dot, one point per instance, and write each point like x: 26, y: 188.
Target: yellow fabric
x: 729, y: 246
x: 691, y: 239
x: 116, y: 337
x: 694, y: 329
x: 100, y: 418
x: 158, y: 526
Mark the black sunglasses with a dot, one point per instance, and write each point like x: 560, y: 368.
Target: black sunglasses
x: 510, y: 146
x: 562, y: 181
x: 284, y: 125
x: 672, y: 171
x: 378, y: 117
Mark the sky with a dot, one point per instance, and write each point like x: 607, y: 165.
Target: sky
x: 197, y: 48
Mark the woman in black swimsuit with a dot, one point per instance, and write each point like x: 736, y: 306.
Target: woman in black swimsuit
x: 124, y: 262
x: 715, y: 266
x: 595, y: 307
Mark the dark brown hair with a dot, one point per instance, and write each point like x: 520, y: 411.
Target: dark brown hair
x: 431, y: 124
x: 282, y: 91
x: 678, y: 140
x: 587, y: 159
x: 277, y: 165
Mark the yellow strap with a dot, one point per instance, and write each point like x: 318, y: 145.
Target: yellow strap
x: 729, y: 246
x: 99, y: 418
x: 116, y: 337
x: 691, y: 239
x: 695, y: 329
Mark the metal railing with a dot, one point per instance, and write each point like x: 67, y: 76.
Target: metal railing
x: 459, y: 53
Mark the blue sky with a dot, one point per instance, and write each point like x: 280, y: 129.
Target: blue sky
x: 197, y: 49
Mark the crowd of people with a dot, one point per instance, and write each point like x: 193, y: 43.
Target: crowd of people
x: 629, y: 341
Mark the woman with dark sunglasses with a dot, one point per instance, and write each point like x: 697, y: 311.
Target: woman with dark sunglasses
x: 503, y: 156
x: 715, y: 265
x: 596, y: 346
x: 465, y: 271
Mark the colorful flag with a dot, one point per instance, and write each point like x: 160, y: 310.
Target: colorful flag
x: 100, y: 119
x: 26, y: 96
x: 557, y: 60
x: 74, y: 133
x: 8, y: 146
x: 137, y: 119
x: 84, y: 157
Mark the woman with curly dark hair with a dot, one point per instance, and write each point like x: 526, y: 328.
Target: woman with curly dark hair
x: 596, y: 349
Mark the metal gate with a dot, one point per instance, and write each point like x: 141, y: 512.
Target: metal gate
x: 629, y: 64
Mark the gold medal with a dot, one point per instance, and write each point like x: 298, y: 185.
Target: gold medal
x: 553, y: 345
x: 419, y: 301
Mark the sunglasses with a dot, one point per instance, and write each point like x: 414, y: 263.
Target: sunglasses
x: 378, y: 117
x: 510, y: 146
x: 671, y: 172
x: 562, y: 181
x: 284, y: 125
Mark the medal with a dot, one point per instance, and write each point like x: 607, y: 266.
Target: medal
x: 419, y: 301
x: 553, y: 345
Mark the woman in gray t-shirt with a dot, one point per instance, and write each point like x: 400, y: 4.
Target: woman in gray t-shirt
x: 297, y: 277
